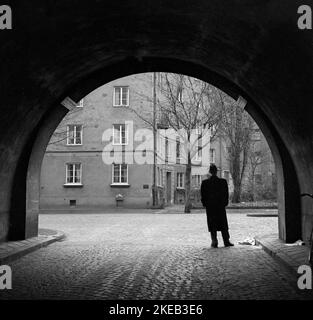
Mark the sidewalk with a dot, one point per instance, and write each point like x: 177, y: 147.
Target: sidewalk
x: 290, y: 255
x: 12, y: 250
x: 250, y: 212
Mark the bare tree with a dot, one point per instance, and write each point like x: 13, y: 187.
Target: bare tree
x: 60, y: 133
x: 257, y: 156
x: 236, y: 128
x: 186, y: 105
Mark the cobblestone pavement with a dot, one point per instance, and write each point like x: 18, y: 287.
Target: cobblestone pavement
x: 150, y: 256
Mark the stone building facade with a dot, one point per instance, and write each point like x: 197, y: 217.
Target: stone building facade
x: 101, y: 154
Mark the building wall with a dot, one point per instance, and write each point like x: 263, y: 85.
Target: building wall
x: 97, y: 117
x: 95, y: 154
x: 96, y: 191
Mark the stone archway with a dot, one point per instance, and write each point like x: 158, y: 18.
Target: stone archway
x: 289, y: 211
x: 68, y: 49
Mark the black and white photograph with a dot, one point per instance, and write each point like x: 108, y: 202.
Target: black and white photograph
x: 156, y: 155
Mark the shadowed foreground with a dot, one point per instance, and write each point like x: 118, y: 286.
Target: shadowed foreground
x: 152, y: 256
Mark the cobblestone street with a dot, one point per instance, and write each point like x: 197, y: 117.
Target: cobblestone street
x: 150, y: 256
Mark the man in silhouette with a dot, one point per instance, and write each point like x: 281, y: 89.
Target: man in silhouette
x: 214, y: 197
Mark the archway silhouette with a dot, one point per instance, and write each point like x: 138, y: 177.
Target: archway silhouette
x: 289, y: 211
x: 252, y: 49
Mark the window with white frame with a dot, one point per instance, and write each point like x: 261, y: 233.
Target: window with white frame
x: 120, y: 173
x: 120, y: 134
x: 180, y: 180
x: 121, y: 96
x: 73, y: 173
x: 196, y: 180
x: 80, y: 103
x: 212, y: 155
x: 74, y: 134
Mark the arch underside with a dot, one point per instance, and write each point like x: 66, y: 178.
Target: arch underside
x: 252, y: 49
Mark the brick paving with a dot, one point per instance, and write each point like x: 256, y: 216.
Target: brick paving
x: 152, y: 256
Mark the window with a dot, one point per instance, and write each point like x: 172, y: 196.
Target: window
x: 120, y: 134
x: 226, y: 175
x: 212, y: 155
x: 178, y: 151
x: 163, y: 122
x: 80, y: 103
x: 160, y: 147
x: 180, y: 180
x: 73, y: 173
x: 196, y: 180
x: 121, y: 96
x: 199, y: 153
x: 74, y: 134
x: 120, y: 174
x: 160, y: 177
x: 166, y: 149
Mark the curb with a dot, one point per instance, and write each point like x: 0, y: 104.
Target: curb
x: 262, y: 215
x: 22, y: 251
x: 247, y: 208
x: 278, y: 257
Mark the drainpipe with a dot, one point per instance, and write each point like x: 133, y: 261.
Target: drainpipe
x: 154, y: 190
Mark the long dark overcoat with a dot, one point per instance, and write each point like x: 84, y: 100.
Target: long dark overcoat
x: 214, y: 197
